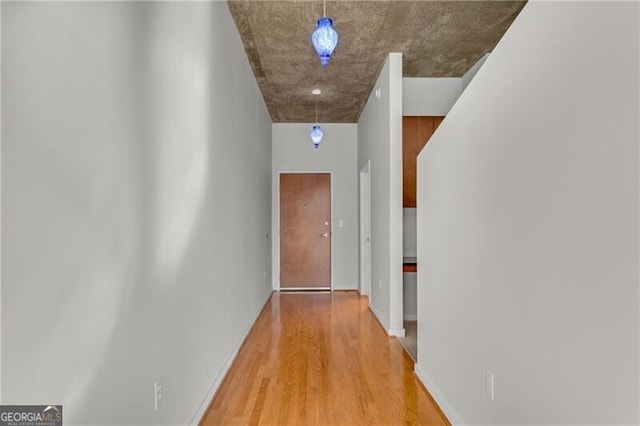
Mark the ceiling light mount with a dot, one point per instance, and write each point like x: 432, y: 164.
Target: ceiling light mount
x: 316, y: 132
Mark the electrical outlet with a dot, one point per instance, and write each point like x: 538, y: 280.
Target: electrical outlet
x: 157, y: 394
x: 264, y: 274
x: 490, y: 385
x: 380, y: 285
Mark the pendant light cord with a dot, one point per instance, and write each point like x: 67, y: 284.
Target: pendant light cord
x: 324, y: 8
x: 316, y: 109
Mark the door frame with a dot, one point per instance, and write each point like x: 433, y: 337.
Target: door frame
x: 276, y: 229
x: 365, y: 228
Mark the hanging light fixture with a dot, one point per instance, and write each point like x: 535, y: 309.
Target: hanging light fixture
x: 316, y: 132
x: 316, y: 136
x: 324, y: 38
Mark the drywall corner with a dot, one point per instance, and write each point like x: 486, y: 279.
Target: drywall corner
x: 469, y: 75
x: 638, y: 180
x: 374, y: 147
x: 430, y: 96
x: 442, y: 402
x: 395, y: 195
x: 0, y: 206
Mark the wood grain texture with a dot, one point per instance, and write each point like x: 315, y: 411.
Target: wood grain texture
x: 416, y: 132
x: 305, y: 230
x: 321, y: 359
x: 436, y: 122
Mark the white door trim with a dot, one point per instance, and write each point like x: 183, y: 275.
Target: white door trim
x: 365, y: 229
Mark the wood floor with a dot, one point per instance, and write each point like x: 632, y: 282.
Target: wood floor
x: 321, y: 359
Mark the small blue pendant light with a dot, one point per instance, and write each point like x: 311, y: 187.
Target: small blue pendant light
x: 316, y: 136
x: 316, y: 132
x: 324, y: 38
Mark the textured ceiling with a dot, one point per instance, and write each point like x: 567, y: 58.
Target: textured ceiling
x: 436, y: 38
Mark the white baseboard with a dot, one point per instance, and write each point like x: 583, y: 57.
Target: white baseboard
x: 398, y: 332
x: 442, y: 402
x: 340, y: 287
x: 410, y: 317
x: 204, y: 405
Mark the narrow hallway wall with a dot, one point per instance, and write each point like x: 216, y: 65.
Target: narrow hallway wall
x: 528, y: 226
x: 380, y: 141
x: 136, y: 164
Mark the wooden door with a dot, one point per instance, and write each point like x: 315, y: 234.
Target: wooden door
x: 305, y: 230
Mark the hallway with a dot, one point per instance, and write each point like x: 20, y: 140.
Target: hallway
x: 321, y: 358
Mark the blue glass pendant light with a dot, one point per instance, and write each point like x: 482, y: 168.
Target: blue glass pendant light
x: 316, y: 132
x: 316, y: 136
x: 324, y: 38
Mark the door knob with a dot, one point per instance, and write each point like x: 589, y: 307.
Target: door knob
x: 326, y: 234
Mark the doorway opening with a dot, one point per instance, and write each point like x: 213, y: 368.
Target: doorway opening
x: 416, y: 132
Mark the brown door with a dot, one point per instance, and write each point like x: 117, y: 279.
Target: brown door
x: 305, y: 230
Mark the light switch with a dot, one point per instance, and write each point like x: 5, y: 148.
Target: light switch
x: 340, y: 224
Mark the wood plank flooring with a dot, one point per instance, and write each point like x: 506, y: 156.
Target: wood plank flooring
x: 321, y: 359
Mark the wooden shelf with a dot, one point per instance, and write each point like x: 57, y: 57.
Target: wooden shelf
x: 409, y: 264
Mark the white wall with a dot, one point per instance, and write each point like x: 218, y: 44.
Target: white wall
x: 429, y: 96
x: 410, y: 296
x: 435, y: 96
x: 293, y: 151
x: 136, y: 152
x: 409, y: 232
x: 380, y: 141
x: 469, y: 75
x: 409, y: 249
x: 528, y: 222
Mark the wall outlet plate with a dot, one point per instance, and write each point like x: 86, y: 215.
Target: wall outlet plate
x: 157, y: 394
x: 490, y: 385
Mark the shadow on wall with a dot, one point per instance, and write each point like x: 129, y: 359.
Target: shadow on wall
x: 70, y: 212
x: 98, y: 211
x: 180, y: 105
